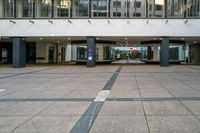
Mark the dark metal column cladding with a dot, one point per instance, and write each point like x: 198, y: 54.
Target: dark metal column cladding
x: 15, y: 9
x: 34, y: 9
x: 109, y: 7
x: 90, y: 8
x: 52, y: 9
x: 165, y: 3
x: 146, y: 8
x: 149, y: 53
x: 71, y: 3
x: 164, y: 52
x: 91, y: 51
x: 19, y: 52
x: 185, y: 9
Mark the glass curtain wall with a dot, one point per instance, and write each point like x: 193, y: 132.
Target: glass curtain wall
x: 99, y: 8
x: 62, y: 8
x: 80, y: 8
x: 118, y: 8
x: 6, y: 8
x: 43, y: 8
x: 137, y: 8
x: 24, y: 8
x: 193, y: 8
x: 175, y: 8
x: 156, y: 8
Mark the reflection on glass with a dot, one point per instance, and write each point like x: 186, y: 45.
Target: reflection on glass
x: 193, y: 8
x: 99, y: 8
x: 156, y: 8
x: 137, y: 8
x: 103, y: 52
x: 24, y: 8
x: 43, y: 8
x: 6, y: 8
x: 175, y: 8
x: 61, y: 8
x: 118, y: 8
x: 80, y: 8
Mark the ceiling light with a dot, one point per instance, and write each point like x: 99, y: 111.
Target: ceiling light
x: 69, y: 38
x: 41, y: 38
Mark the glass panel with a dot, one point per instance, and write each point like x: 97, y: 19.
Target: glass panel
x: 99, y: 8
x: 61, y: 8
x: 137, y: 8
x: 156, y: 8
x: 24, y: 8
x: 43, y: 8
x: 193, y: 8
x: 6, y: 8
x: 175, y: 8
x: 80, y: 8
x: 118, y: 8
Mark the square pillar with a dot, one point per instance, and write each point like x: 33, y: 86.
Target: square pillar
x: 149, y: 53
x: 164, y: 52
x: 91, y: 51
x: 19, y: 53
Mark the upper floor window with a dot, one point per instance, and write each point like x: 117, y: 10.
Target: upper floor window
x: 24, y: 8
x: 118, y: 8
x: 61, y: 8
x: 137, y: 8
x: 43, y: 8
x: 193, y: 8
x: 175, y: 8
x: 6, y: 8
x: 99, y: 8
x: 116, y: 4
x: 80, y: 8
x: 156, y: 8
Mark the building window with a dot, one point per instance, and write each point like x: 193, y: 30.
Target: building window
x: 61, y: 8
x: 116, y: 14
x: 156, y: 8
x: 175, y: 8
x: 80, y: 8
x: 24, y: 8
x: 43, y: 8
x: 137, y: 8
x: 116, y: 4
x: 137, y: 4
x: 99, y: 8
x: 118, y: 9
x: 6, y: 8
x: 193, y: 8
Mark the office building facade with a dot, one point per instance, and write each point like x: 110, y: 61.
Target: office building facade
x: 53, y: 31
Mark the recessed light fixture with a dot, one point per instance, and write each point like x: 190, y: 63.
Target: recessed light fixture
x: 195, y: 42
x: 126, y: 38
x: 69, y: 38
x: 183, y: 38
x: 97, y: 38
x: 154, y: 38
x: 41, y: 38
x: 58, y: 42
x: 160, y: 38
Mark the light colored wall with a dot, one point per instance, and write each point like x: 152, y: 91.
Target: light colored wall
x: 68, y: 52
x: 1, y: 8
x: 101, y: 27
x: 41, y: 51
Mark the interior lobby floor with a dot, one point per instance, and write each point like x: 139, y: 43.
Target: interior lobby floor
x: 104, y: 99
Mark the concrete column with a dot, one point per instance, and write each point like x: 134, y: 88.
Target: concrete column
x: 155, y: 53
x: 149, y: 53
x: 101, y: 52
x: 19, y: 53
x: 68, y: 54
x: 164, y: 52
x: 91, y: 50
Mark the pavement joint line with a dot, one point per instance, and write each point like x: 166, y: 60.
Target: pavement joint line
x: 24, y: 73
x: 31, y: 117
x: 84, y: 124
x: 145, y: 115
x: 177, y: 99
x: 152, y: 99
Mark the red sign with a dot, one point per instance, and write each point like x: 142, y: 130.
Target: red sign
x: 90, y: 50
